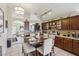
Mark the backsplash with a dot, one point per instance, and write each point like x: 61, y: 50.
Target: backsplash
x: 72, y: 33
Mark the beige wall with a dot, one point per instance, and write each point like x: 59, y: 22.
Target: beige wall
x: 3, y: 35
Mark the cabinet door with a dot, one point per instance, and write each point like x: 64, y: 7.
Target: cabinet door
x: 68, y: 44
x: 56, y: 41
x: 76, y: 47
x: 59, y: 42
x: 65, y: 24
x: 77, y: 23
x: 73, y: 23
x: 42, y: 26
x: 58, y: 24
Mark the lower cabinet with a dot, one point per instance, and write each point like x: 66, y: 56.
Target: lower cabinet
x: 76, y: 47
x: 59, y: 42
x: 68, y: 44
x: 71, y: 45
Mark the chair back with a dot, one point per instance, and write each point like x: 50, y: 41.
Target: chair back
x: 47, y: 46
x: 45, y: 35
x: 32, y: 40
x: 32, y: 34
x: 53, y: 38
x: 38, y: 36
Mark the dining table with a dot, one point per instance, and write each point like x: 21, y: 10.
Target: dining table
x: 37, y: 43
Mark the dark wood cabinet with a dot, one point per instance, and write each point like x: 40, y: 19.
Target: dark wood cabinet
x: 77, y: 22
x: 68, y: 44
x: 44, y: 26
x: 73, y: 23
x: 58, y: 24
x: 69, y: 23
x: 65, y: 24
x: 59, y: 42
x: 56, y: 41
x: 76, y: 47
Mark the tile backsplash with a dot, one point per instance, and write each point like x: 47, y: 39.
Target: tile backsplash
x: 74, y: 33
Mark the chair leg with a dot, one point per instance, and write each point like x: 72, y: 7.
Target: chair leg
x: 50, y: 53
x: 25, y: 54
x: 53, y: 49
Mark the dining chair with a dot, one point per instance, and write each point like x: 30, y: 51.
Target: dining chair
x: 45, y: 35
x: 32, y: 40
x: 46, y: 48
x: 32, y: 34
x: 27, y: 49
x: 38, y: 36
x: 53, y: 41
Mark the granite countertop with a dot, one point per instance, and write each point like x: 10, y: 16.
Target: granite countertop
x: 68, y: 37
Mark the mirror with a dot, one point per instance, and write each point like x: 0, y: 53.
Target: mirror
x: 1, y: 21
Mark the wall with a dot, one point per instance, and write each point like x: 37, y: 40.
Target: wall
x: 3, y: 35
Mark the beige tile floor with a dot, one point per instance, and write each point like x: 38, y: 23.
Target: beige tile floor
x: 60, y: 52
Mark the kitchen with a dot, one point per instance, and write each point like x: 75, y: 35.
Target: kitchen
x: 27, y: 27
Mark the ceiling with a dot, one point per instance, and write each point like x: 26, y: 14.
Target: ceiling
x: 58, y: 9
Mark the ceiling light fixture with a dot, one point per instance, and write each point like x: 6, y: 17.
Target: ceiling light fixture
x: 19, y: 10
x: 49, y: 12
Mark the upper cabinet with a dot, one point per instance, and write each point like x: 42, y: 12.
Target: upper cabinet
x: 44, y: 26
x: 70, y: 23
x: 74, y: 23
x: 65, y: 24
x: 58, y: 24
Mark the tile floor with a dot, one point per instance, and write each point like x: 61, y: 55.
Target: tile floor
x: 60, y: 52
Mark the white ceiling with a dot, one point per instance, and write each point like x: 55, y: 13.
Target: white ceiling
x: 58, y: 9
